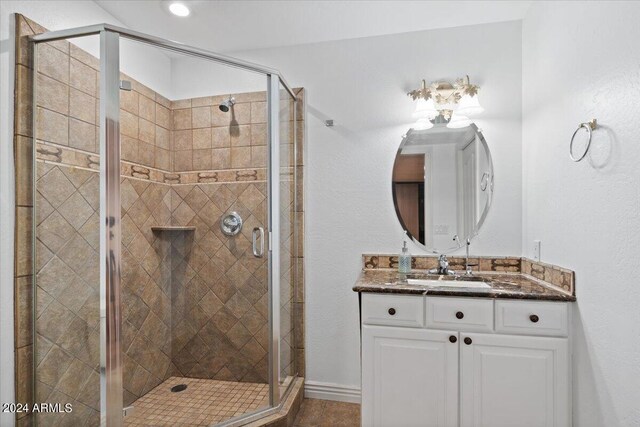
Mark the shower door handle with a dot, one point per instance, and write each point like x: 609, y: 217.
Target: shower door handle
x: 258, y: 233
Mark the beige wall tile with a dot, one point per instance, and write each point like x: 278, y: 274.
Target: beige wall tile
x: 182, y: 140
x: 83, y: 77
x: 240, y: 135
x: 147, y: 108
x: 183, y: 160
x: 259, y: 156
x: 52, y: 94
x: 202, y: 101
x: 219, y: 118
x: 201, y: 117
x: 180, y: 103
x: 163, y: 101
x: 259, y: 134
x: 24, y: 101
x: 23, y: 241
x: 163, y: 116
x: 163, y: 138
x: 202, y: 159
x: 84, y: 57
x: 82, y: 135
x: 129, y: 101
x: 128, y: 124
x: 24, y: 371
x: 146, y: 154
x: 163, y: 159
x: 128, y: 148
x: 82, y: 106
x: 24, y: 168
x: 220, y: 137
x: 23, y: 309
x: 202, y: 138
x: 242, y: 114
x: 251, y: 96
x: 24, y: 47
x: 53, y: 62
x: 52, y: 127
x: 182, y: 119
x: 240, y: 157
x: 221, y: 158
x: 258, y: 112
x: 146, y: 131
x: 140, y: 88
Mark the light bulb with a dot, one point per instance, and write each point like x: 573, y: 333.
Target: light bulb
x: 423, y: 124
x: 425, y: 108
x: 469, y: 106
x: 179, y: 9
x: 458, y: 121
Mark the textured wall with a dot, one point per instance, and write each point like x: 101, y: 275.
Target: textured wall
x: 362, y: 85
x: 580, y: 61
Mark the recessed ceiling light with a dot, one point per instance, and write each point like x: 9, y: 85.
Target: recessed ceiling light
x: 179, y: 9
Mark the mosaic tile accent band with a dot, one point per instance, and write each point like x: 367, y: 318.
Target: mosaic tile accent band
x: 559, y: 277
x: 52, y: 153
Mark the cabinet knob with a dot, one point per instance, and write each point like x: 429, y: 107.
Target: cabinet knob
x: 459, y: 315
x: 453, y: 338
x: 468, y: 341
x: 534, y: 318
x: 392, y: 311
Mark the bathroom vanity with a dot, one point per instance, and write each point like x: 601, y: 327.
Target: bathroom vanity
x: 465, y: 341
x: 491, y: 355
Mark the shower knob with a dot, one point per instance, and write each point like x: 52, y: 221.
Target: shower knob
x: 231, y: 224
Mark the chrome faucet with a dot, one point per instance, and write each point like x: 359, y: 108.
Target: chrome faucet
x: 467, y: 266
x: 443, y: 267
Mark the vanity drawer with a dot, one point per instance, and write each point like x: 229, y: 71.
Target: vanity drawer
x: 532, y: 318
x: 460, y: 314
x: 393, y: 310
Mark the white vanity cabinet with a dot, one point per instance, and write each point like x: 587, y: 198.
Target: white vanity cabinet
x: 453, y: 361
x: 410, y: 377
x: 511, y: 381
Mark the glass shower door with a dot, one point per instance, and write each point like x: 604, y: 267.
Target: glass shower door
x: 141, y: 295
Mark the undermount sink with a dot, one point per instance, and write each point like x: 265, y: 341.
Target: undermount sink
x: 447, y: 283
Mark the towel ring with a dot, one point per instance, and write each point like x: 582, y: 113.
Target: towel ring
x: 590, y: 127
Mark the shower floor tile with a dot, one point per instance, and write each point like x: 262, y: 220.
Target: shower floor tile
x: 203, y: 403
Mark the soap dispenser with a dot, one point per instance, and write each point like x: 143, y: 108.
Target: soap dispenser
x: 404, y: 260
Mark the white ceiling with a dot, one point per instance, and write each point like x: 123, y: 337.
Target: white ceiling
x: 235, y: 25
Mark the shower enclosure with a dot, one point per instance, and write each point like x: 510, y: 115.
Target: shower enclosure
x: 165, y: 232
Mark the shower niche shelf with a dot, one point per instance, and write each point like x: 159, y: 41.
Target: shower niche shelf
x: 173, y: 228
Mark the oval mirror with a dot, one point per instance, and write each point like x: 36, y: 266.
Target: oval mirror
x: 442, y: 185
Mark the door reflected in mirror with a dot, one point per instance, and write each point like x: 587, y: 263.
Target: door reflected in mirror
x: 442, y: 185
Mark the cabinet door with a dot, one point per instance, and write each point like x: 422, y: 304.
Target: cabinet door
x: 409, y: 377
x: 513, y: 381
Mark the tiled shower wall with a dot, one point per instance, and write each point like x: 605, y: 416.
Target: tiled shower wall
x: 207, y: 138
x: 194, y: 303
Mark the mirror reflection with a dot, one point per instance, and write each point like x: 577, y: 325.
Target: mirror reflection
x: 442, y: 185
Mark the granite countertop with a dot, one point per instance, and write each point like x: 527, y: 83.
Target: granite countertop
x: 502, y: 285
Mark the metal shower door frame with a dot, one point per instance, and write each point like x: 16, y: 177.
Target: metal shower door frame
x: 111, y: 384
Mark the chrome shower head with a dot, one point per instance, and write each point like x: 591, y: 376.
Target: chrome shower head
x: 226, y: 105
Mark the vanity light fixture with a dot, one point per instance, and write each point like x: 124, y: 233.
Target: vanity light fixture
x: 179, y: 9
x: 423, y: 123
x: 458, y: 121
x: 455, y: 102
